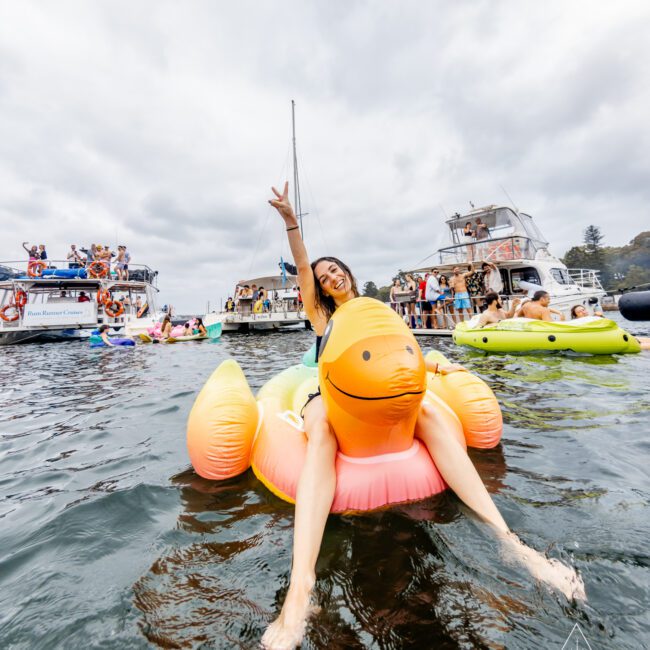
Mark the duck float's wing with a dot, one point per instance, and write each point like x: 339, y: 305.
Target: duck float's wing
x: 222, y: 424
x: 471, y: 399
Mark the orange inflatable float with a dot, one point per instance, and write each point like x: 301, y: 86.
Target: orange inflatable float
x: 373, y: 380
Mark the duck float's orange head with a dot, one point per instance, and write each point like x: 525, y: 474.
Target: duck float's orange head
x: 372, y: 378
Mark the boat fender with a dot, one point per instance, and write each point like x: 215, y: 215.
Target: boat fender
x: 635, y: 305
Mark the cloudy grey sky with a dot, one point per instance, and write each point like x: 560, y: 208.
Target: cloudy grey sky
x: 163, y: 124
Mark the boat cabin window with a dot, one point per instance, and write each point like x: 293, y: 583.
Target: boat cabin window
x: 561, y: 276
x: 525, y: 274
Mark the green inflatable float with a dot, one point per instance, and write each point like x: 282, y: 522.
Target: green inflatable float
x: 587, y: 335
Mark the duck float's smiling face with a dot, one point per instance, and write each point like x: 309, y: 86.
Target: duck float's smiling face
x: 370, y: 364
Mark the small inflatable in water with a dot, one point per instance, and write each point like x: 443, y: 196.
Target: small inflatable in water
x: 588, y: 335
x: 96, y: 341
x: 373, y: 381
x: 635, y: 305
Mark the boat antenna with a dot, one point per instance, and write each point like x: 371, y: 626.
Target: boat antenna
x: 503, y: 189
x: 296, y: 181
x: 444, y: 214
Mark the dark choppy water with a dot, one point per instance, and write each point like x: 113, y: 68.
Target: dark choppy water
x: 108, y: 539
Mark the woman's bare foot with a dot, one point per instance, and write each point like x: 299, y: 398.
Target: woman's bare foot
x: 563, y: 578
x: 288, y: 630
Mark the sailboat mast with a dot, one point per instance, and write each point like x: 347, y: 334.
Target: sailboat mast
x: 296, y: 182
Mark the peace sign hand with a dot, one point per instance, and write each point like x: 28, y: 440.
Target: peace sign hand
x: 282, y: 205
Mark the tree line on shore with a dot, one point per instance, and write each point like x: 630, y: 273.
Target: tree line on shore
x: 621, y: 267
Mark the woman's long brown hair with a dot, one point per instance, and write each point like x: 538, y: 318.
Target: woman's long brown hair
x: 324, y: 302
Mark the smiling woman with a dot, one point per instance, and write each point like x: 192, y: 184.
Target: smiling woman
x: 374, y: 410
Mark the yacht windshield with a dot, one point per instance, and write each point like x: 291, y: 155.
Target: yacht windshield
x: 499, y: 221
x: 561, y: 276
x: 531, y: 229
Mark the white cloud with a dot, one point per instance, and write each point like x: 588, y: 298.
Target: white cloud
x: 163, y: 124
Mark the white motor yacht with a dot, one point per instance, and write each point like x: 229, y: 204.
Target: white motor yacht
x: 55, y: 301
x: 518, y: 249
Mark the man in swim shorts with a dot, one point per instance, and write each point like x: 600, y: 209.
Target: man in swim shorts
x: 458, y: 283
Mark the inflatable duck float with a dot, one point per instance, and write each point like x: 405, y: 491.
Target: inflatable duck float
x: 373, y: 380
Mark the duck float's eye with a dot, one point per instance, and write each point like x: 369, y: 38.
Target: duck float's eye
x: 409, y: 349
x: 366, y: 355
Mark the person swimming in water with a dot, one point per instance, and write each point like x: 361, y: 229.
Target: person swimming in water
x: 326, y: 284
x: 103, y: 332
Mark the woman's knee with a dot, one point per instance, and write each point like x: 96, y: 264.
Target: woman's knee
x: 433, y: 426
x: 317, y: 427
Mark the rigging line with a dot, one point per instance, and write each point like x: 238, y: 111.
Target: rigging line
x: 259, y: 238
x: 424, y: 259
x: 314, y: 203
x: 269, y: 208
x: 285, y: 168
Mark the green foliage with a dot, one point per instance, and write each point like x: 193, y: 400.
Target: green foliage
x: 383, y: 294
x: 635, y: 276
x: 370, y: 289
x: 593, y: 237
x: 620, y: 267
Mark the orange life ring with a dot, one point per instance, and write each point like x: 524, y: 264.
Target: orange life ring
x: 6, y: 318
x: 103, y: 296
x: 110, y: 311
x: 20, y: 298
x: 35, y: 268
x: 98, y: 269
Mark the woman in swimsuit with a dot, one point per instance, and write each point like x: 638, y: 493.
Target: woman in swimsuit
x: 412, y: 289
x: 326, y: 284
x: 199, y: 327
x: 396, y: 287
x: 166, y: 327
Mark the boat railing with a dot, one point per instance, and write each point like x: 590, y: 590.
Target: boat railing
x: 98, y: 316
x: 284, y: 308
x: 586, y: 278
x: 17, y: 269
x: 499, y: 249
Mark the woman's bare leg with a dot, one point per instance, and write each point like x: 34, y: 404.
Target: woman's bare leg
x: 314, y: 498
x: 459, y: 473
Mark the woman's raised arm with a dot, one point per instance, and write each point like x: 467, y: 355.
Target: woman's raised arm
x: 305, y: 274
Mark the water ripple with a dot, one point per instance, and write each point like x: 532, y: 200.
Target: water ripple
x: 109, y: 538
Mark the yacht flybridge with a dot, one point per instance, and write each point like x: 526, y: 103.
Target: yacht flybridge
x: 515, y: 245
x: 52, y: 302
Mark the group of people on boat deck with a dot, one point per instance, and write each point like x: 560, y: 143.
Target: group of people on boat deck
x: 251, y: 299
x: 96, y: 253
x: 422, y: 300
